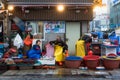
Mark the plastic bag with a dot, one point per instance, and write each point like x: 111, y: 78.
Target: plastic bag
x: 19, y: 23
x: 28, y: 40
x: 49, y: 50
x: 18, y: 42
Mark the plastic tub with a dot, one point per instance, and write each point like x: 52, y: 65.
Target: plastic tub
x: 92, y: 61
x: 111, y: 64
x: 73, y: 62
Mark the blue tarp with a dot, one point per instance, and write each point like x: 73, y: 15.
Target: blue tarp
x: 19, y: 23
x: 99, y: 34
x: 113, y: 36
x: 112, y: 26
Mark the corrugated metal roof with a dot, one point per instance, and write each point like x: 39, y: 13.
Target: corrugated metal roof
x: 70, y: 1
x: 50, y: 2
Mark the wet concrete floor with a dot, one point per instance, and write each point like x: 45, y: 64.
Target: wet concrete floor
x: 60, y: 74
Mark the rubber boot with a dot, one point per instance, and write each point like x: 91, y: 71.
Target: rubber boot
x: 60, y: 63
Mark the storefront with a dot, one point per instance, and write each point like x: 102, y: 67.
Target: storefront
x: 47, y: 22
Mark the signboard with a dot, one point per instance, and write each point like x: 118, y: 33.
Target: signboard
x: 54, y: 27
x: 114, y: 2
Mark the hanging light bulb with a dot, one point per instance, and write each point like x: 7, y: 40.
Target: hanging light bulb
x: 10, y: 8
x: 60, y: 8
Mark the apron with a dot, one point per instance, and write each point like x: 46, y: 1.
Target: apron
x: 80, y: 49
x: 59, y: 55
